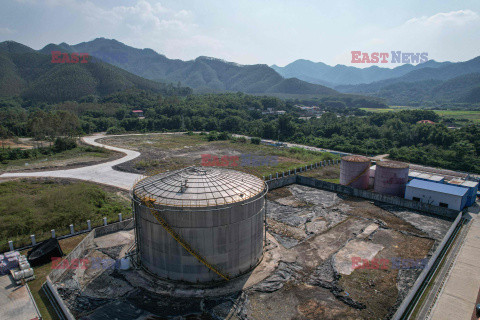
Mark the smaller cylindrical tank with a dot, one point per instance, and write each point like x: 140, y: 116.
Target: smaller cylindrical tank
x: 391, y: 177
x: 354, y: 172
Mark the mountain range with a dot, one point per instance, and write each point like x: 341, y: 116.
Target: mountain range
x: 204, y: 74
x: 452, y: 82
x: 321, y: 73
x: 114, y: 66
x: 407, y: 84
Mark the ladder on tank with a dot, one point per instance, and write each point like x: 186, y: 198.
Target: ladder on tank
x: 149, y: 203
x: 359, y: 176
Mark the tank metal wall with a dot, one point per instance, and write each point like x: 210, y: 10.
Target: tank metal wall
x: 391, y: 181
x: 230, y: 238
x: 350, y: 170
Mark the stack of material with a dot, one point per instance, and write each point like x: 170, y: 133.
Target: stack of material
x: 3, y: 265
x: 10, y: 260
x: 17, y: 264
x: 25, y: 271
x: 23, y: 263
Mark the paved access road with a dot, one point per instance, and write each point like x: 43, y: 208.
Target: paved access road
x: 460, y: 292
x: 100, y: 173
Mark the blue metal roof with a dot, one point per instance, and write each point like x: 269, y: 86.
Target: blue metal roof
x: 438, y: 187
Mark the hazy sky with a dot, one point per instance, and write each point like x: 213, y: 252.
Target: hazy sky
x: 248, y: 32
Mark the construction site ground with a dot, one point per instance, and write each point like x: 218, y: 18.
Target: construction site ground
x: 306, y: 271
x: 162, y: 152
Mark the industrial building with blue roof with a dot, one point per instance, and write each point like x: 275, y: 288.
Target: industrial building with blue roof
x: 438, y: 194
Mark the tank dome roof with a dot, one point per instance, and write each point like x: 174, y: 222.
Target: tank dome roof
x: 355, y: 158
x: 199, y: 187
x: 392, y: 164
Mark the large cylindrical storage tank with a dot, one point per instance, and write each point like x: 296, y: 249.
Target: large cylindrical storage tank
x: 391, y: 178
x: 354, y: 171
x: 218, y: 212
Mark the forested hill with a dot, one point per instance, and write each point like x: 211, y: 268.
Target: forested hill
x: 462, y: 89
x: 32, y: 75
x: 204, y: 74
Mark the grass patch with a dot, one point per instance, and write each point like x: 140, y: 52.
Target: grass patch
x: 162, y: 141
x: 456, y: 115
x: 337, y: 181
x: 162, y: 152
x: 328, y: 174
x: 37, y: 206
x: 79, y: 154
x: 460, y: 115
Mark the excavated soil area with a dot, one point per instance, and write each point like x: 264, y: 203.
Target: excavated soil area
x: 310, y: 269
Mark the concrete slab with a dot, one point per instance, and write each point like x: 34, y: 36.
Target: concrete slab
x: 450, y: 307
x: 464, y: 282
x: 355, y: 249
x: 476, y: 223
x: 473, y: 237
x: 459, y: 295
x: 470, y: 256
x: 15, y: 302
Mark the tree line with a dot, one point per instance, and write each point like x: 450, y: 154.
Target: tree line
x: 342, y: 127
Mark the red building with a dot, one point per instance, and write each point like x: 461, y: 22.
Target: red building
x: 426, y: 121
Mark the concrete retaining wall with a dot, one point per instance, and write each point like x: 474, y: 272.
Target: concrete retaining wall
x: 421, y: 278
x: 88, y: 242
x: 114, y: 227
x: 59, y: 300
x: 77, y: 253
x: 281, y: 182
x: 365, y: 194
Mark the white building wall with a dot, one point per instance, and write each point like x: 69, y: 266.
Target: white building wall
x: 433, y: 197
